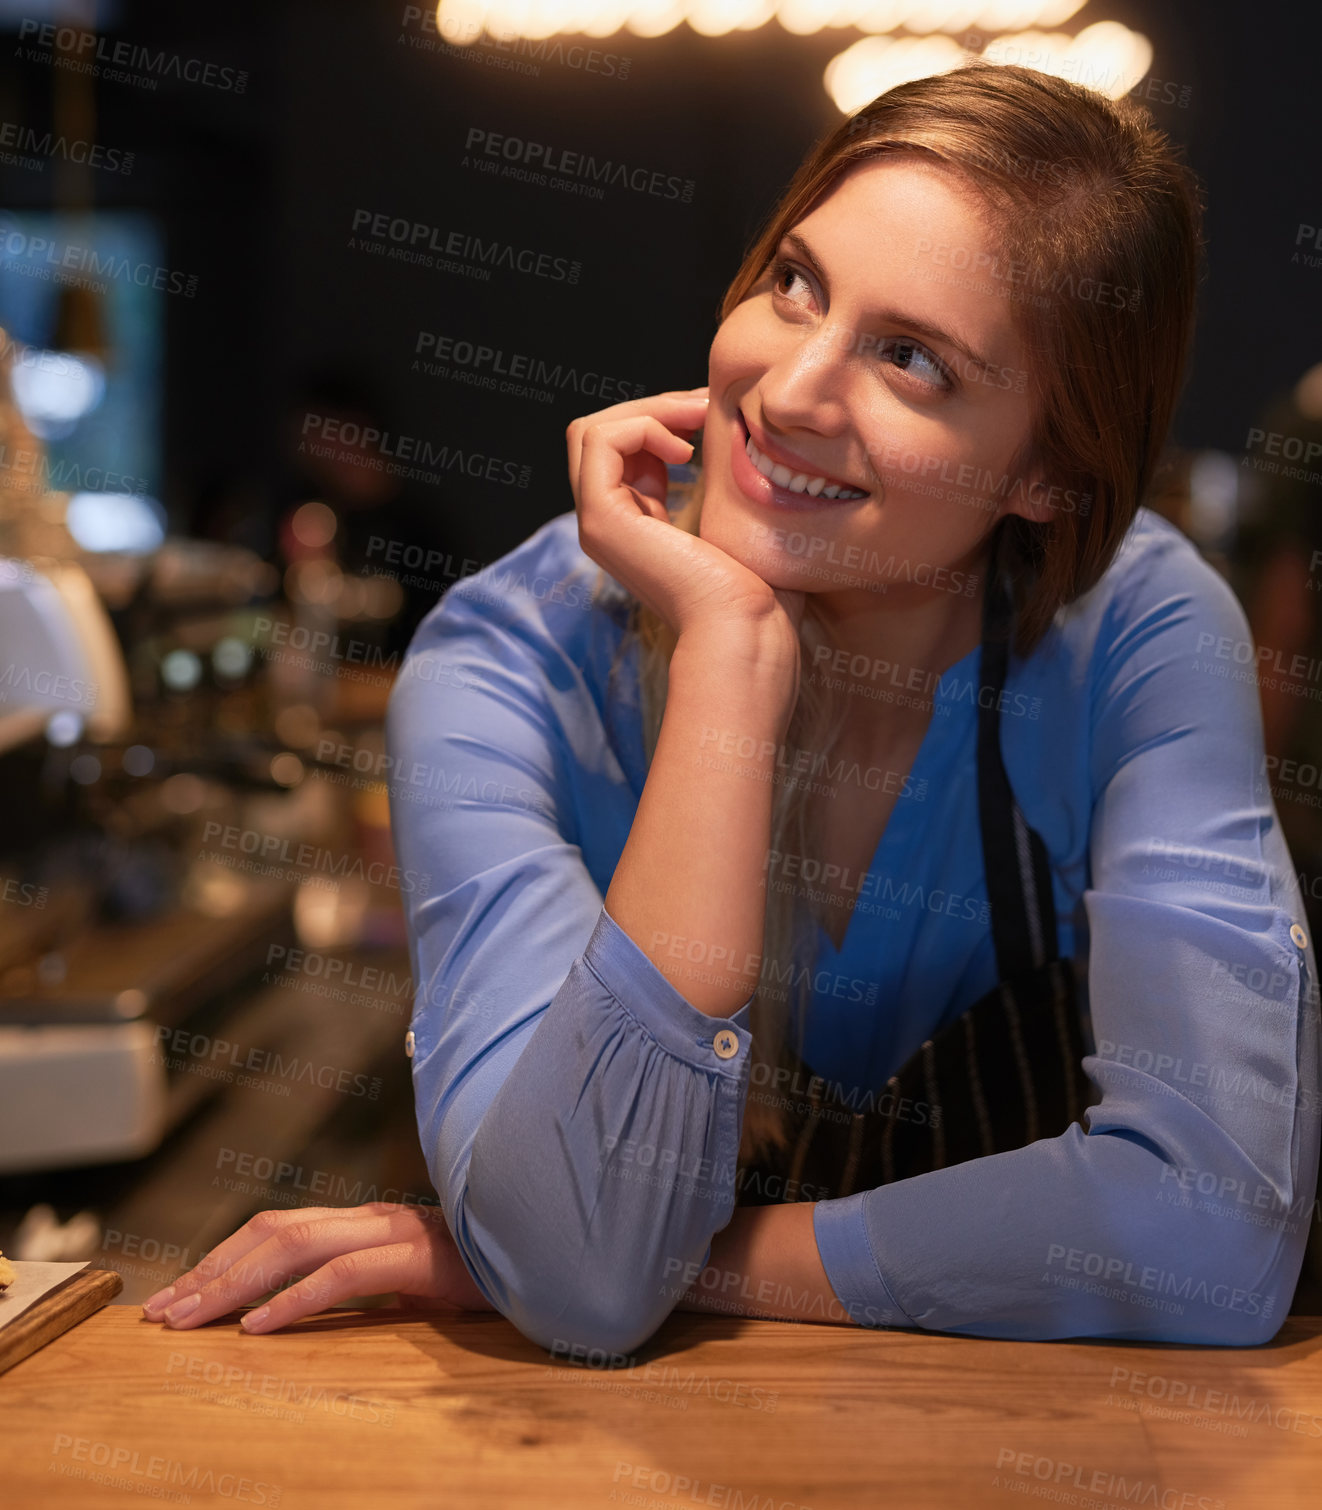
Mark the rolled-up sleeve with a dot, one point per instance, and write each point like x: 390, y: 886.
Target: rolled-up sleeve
x: 1182, y: 1213
x: 579, y: 1117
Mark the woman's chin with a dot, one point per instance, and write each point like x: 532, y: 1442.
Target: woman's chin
x: 752, y: 544
x: 733, y: 525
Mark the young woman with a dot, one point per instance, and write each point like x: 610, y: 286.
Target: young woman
x: 766, y: 838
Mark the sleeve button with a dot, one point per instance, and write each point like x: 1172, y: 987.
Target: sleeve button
x: 408, y: 1043
x: 1299, y: 936
x: 726, y: 1044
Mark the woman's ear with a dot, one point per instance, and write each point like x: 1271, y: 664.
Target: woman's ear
x: 1039, y: 501
x: 1030, y: 495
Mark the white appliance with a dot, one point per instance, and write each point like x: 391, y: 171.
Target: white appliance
x: 70, y: 1093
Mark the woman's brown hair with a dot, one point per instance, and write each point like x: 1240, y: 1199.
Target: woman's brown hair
x: 1097, y: 223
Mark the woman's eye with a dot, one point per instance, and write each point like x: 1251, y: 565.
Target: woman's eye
x: 780, y: 272
x: 910, y: 356
x: 913, y: 358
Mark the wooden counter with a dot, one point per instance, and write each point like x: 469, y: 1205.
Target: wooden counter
x: 408, y: 1409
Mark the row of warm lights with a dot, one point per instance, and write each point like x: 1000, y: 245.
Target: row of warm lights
x: 1106, y: 56
x: 461, y: 22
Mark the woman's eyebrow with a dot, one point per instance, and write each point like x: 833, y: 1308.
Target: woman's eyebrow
x: 891, y: 315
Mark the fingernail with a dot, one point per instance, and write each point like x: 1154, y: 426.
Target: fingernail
x: 184, y: 1307
x: 155, y: 1304
x: 255, y: 1319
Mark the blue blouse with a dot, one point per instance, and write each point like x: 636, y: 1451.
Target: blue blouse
x: 581, y: 1119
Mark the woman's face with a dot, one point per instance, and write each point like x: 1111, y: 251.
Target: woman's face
x: 858, y: 357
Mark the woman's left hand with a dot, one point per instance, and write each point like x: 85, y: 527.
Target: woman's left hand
x: 343, y: 1251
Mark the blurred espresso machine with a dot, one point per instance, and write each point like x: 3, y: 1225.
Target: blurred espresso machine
x: 143, y: 723
x: 106, y: 931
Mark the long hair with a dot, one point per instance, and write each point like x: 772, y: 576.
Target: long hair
x: 1097, y: 223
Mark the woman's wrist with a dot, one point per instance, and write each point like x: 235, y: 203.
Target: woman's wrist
x: 765, y: 1264
x: 754, y: 657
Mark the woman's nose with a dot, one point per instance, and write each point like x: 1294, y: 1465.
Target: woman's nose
x: 805, y: 386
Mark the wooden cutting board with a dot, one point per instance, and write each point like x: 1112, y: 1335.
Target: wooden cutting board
x: 58, y: 1310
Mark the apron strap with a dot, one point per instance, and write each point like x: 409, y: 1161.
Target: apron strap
x: 1023, y: 909
x: 1007, y: 1071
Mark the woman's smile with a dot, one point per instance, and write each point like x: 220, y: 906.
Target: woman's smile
x: 774, y: 476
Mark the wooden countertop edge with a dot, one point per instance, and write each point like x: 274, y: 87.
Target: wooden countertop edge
x: 71, y: 1301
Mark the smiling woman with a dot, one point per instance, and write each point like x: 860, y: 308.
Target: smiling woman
x: 866, y: 881
x: 932, y: 307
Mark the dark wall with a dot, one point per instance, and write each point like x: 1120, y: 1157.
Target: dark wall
x: 350, y: 107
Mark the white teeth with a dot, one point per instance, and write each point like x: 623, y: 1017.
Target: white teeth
x: 797, y: 482
x: 759, y: 461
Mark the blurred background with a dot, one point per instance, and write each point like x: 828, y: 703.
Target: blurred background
x: 296, y: 301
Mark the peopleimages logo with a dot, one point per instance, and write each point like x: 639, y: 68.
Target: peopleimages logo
x: 46, y: 145
x: 417, y: 241
x: 869, y: 564
x: 24, y: 893
x: 1020, y: 280
x: 1228, y: 1194
x: 523, y: 375
x: 1200, y: 1397
x: 1112, y: 1487
x: 545, y: 164
x: 197, y: 1053
x: 87, y: 52
x: 36, y: 256
x: 272, y: 849
x: 17, y: 679
x: 268, y: 1177
x: 397, y: 454
x: 268, y: 1396
x: 31, y: 471
x: 129, y: 1469
x: 1125, y: 1274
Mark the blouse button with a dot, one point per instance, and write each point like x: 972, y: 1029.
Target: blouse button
x: 725, y: 1044
x: 1299, y: 936
x: 408, y: 1043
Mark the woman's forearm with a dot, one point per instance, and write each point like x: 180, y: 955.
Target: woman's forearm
x: 764, y: 1263
x: 690, y: 885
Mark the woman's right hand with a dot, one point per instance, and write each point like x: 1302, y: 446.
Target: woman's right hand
x: 342, y: 1252
x: 617, y: 470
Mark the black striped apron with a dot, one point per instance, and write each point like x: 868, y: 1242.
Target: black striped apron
x: 1005, y: 1073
